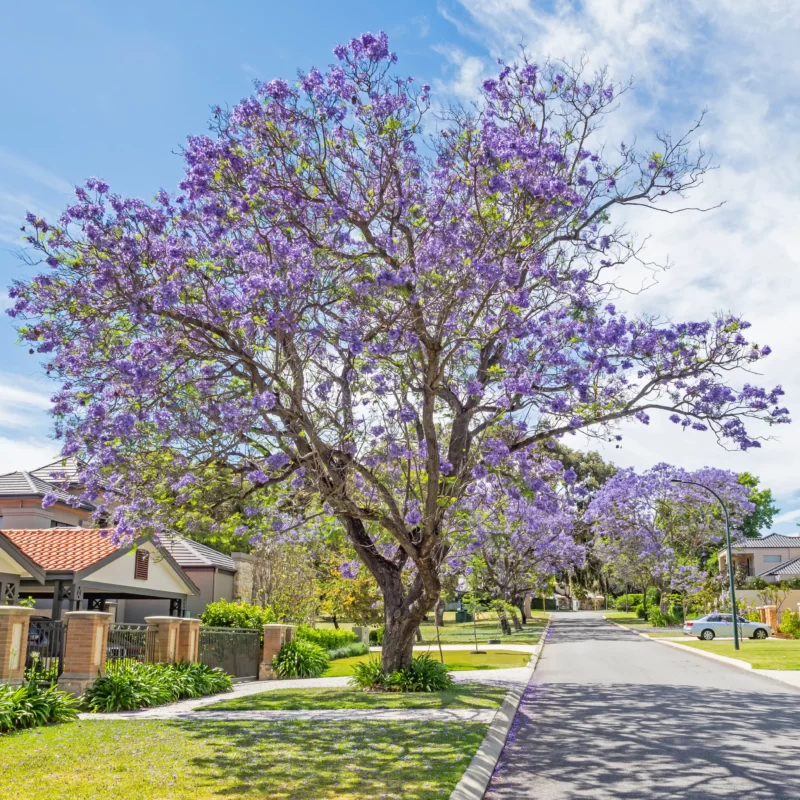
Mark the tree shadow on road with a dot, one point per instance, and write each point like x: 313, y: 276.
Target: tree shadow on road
x: 630, y: 742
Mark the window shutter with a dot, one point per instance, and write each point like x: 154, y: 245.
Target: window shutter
x: 142, y: 563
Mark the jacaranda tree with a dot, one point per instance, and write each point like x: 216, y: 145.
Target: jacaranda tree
x: 652, y: 530
x: 356, y: 306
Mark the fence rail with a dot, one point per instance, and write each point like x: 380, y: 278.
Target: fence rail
x: 45, y: 653
x: 237, y: 651
x: 129, y: 643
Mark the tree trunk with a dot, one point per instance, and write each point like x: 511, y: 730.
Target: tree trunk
x: 418, y: 634
x: 335, y: 622
x: 438, y: 609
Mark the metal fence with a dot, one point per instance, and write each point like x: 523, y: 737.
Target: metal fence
x: 128, y: 644
x: 45, y: 655
x: 237, y: 651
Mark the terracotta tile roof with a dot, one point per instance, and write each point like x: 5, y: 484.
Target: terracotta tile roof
x: 63, y: 548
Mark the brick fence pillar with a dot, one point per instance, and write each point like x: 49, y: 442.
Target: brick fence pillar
x: 165, y: 641
x: 189, y: 640
x: 275, y: 636
x: 762, y: 615
x: 84, y: 649
x: 14, y: 621
x: 772, y: 616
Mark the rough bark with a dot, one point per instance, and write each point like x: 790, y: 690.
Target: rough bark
x: 439, y: 611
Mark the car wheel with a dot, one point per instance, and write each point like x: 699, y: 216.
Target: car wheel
x: 760, y: 633
x: 707, y: 635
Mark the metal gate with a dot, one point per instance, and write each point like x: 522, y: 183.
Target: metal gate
x: 236, y: 651
x: 45, y: 656
x: 128, y: 644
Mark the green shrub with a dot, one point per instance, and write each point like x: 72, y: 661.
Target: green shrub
x: 300, y: 659
x: 656, y: 618
x: 376, y: 635
x: 653, y: 596
x: 369, y: 675
x: 424, y: 674
x: 326, y: 638
x: 639, y: 611
x: 29, y: 706
x: 223, y: 614
x: 128, y: 686
x: 790, y: 624
x: 348, y: 651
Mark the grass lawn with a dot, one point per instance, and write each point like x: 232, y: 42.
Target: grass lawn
x: 456, y: 661
x: 487, y: 627
x: 464, y: 695
x: 161, y: 760
x: 767, y: 654
x: 625, y: 619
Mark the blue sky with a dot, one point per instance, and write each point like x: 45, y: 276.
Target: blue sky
x: 112, y: 89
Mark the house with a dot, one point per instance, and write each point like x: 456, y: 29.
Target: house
x: 764, y: 557
x: 77, y: 569
x: 213, y: 575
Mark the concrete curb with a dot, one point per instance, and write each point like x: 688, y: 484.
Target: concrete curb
x: 476, y: 777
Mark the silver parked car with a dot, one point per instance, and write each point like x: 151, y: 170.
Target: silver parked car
x: 716, y: 624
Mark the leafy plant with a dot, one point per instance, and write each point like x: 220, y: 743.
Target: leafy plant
x: 129, y: 686
x: 369, y: 675
x: 348, y: 651
x: 656, y: 618
x: 424, y: 674
x: 790, y: 624
x: 639, y: 611
x: 326, y: 638
x: 376, y: 635
x: 29, y: 706
x: 224, y: 614
x: 300, y: 658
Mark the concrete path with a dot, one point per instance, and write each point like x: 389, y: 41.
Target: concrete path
x: 183, y: 710
x: 611, y: 715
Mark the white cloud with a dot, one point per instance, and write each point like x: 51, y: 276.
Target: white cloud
x: 742, y: 257
x: 9, y: 162
x: 26, y: 454
x: 23, y: 403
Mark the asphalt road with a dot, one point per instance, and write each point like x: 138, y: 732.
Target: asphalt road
x: 613, y: 715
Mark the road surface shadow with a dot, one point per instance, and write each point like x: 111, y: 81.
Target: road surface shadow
x: 630, y: 742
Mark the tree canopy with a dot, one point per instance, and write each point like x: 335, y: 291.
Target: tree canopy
x: 358, y: 307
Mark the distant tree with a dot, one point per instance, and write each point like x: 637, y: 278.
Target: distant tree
x: 764, y: 511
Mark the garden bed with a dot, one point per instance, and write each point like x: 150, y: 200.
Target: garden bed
x: 202, y: 760
x: 464, y: 695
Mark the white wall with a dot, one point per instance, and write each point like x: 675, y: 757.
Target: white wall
x: 160, y: 575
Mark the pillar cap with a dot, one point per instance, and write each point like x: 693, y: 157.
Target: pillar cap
x: 185, y: 619
x: 156, y: 620
x: 279, y: 625
x: 88, y: 614
x: 16, y: 611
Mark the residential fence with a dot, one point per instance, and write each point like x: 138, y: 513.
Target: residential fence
x: 129, y: 643
x: 236, y: 651
x: 45, y: 651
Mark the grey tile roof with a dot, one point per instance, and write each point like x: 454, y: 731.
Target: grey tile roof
x: 188, y: 553
x: 772, y: 540
x: 24, y: 484
x: 65, y: 469
x: 787, y: 568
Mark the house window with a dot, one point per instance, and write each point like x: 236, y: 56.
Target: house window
x: 54, y: 523
x: 772, y: 559
x: 141, y: 565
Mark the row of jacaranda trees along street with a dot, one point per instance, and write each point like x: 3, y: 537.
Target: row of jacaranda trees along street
x: 364, y: 307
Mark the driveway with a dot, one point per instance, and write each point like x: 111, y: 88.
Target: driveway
x: 613, y: 715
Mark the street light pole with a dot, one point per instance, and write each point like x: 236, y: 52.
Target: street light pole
x: 734, y: 610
